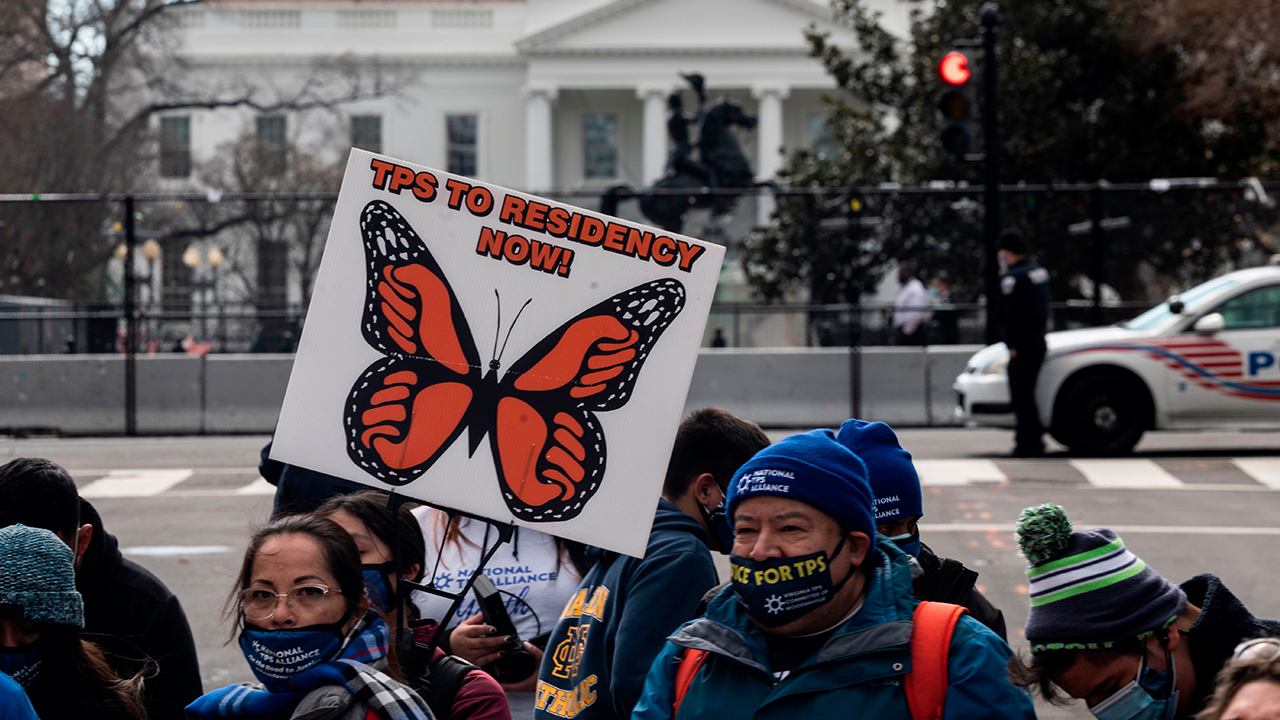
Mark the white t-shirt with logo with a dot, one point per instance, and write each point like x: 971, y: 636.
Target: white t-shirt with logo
x: 528, y: 567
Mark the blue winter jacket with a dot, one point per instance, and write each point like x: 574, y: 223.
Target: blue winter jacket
x: 618, y: 621
x: 857, y: 674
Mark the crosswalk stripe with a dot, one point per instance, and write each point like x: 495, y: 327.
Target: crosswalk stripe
x: 1264, y: 470
x: 134, y: 483
x: 1127, y: 473
x: 257, y: 487
x: 958, y: 472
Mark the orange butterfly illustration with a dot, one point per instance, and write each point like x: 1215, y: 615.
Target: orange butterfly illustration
x: 548, y: 447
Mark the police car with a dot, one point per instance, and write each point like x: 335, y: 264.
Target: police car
x: 1206, y: 358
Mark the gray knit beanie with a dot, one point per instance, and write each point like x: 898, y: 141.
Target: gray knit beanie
x: 1087, y: 590
x: 37, y: 573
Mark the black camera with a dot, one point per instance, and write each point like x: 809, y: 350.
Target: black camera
x: 518, y: 664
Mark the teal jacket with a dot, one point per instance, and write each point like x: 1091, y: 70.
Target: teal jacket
x: 857, y: 674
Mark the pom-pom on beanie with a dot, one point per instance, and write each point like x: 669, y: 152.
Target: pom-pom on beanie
x: 1087, y: 590
x: 37, y: 573
x: 814, y: 469
x: 895, y: 486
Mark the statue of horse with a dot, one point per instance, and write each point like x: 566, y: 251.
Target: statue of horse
x: 721, y: 164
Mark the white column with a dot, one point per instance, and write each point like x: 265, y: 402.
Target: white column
x: 655, y: 130
x: 539, y: 167
x: 769, y: 134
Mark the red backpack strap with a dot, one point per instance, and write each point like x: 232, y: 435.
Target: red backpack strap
x: 931, y: 632
x: 690, y: 662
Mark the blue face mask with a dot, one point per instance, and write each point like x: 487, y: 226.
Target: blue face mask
x: 378, y: 587
x: 1150, y: 696
x: 909, y: 543
x: 721, y: 539
x: 21, y: 663
x: 274, y: 656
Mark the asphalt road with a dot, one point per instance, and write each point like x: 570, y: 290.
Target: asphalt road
x: 1185, y: 502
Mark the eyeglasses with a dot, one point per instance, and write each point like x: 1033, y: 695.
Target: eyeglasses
x: 261, y: 604
x: 1263, y: 648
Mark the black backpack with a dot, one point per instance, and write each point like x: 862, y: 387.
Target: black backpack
x: 437, y: 684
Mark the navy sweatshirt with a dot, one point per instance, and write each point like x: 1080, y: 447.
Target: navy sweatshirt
x: 619, y: 619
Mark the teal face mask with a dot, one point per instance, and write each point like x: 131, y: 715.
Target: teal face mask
x: 909, y: 543
x: 1150, y: 696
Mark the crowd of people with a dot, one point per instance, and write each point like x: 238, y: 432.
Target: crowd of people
x: 835, y: 607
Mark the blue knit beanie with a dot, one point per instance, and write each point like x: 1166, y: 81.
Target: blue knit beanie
x: 814, y: 469
x: 1087, y: 590
x: 37, y: 573
x: 894, y: 482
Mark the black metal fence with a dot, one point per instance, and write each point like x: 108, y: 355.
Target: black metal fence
x: 203, y: 272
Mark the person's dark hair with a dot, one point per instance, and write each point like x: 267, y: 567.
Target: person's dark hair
x: 1012, y: 241
x: 339, y: 551
x: 1039, y: 670
x: 370, y: 508
x: 76, y: 680
x: 711, y: 441
x: 40, y: 494
x: 1234, y: 676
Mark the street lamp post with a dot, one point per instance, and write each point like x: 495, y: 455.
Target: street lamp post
x: 191, y: 258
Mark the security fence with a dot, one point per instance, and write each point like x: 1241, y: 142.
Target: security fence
x: 205, y: 274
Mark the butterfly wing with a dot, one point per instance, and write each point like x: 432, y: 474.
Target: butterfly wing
x: 401, y: 416
x: 407, y: 408
x: 410, y: 308
x: 548, y: 445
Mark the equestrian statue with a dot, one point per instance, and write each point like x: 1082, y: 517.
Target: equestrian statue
x: 715, y: 162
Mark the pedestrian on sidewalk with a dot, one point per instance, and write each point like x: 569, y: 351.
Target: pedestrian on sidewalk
x: 41, y: 646
x: 128, y: 611
x: 1024, y: 313
x: 453, y: 687
x: 624, y: 609
x: 910, y: 309
x: 1106, y: 628
x: 307, y: 631
x: 899, y: 505
x: 820, y: 620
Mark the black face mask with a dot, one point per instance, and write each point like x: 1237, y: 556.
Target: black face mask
x: 720, y: 537
x: 21, y: 663
x: 781, y: 590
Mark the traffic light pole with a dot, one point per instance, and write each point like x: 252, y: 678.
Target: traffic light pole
x: 991, y: 171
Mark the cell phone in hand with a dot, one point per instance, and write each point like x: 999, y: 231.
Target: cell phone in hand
x: 517, y: 664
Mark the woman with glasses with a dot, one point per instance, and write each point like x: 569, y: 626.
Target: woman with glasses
x: 1249, y: 686
x: 308, y: 634
x: 41, y: 616
x: 454, y: 688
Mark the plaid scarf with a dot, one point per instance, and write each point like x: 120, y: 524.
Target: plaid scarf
x: 388, y: 699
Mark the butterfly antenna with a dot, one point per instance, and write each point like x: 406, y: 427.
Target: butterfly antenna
x: 498, y: 327
x: 513, y: 327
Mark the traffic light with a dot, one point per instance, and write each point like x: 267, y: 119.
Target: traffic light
x: 956, y: 103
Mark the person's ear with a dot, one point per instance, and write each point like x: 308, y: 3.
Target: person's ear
x: 706, y: 492
x: 860, y: 547
x: 412, y: 573
x: 1175, y: 638
x: 83, y: 536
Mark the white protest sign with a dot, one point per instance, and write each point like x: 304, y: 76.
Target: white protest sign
x: 490, y: 351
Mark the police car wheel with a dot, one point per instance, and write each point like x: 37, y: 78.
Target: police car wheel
x: 1104, y: 415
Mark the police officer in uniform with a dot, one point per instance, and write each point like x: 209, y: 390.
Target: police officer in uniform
x: 1025, y: 295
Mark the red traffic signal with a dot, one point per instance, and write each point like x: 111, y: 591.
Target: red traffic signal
x: 954, y: 68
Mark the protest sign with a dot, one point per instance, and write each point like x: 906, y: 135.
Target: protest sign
x: 490, y: 351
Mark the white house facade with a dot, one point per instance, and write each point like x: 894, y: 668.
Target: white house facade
x: 532, y: 94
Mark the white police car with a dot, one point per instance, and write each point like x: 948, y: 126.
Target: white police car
x: 1207, y: 358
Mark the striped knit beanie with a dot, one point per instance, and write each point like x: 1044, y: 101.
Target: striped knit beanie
x: 1087, y: 590
x: 37, y: 574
